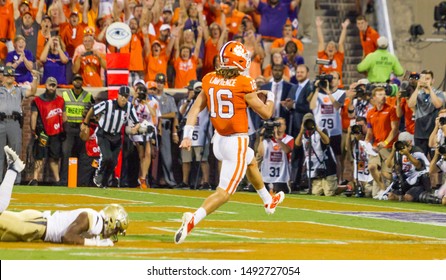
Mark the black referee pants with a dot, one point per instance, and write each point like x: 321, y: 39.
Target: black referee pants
x: 110, y: 145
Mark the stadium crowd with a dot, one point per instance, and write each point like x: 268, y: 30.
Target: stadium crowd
x: 389, y: 127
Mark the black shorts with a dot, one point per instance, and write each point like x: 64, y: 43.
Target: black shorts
x: 415, y: 192
x: 53, y: 149
x: 335, y: 144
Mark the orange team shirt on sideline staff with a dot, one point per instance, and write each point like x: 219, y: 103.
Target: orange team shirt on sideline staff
x: 371, y: 43
x: 134, y: 47
x: 338, y: 61
x: 226, y: 102
x: 185, y: 71
x: 381, y: 123
x: 155, y: 65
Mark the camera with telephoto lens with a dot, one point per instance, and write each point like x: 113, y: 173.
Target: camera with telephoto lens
x: 399, y: 145
x: 142, y: 93
x: 361, y: 91
x: 324, y: 80
x: 310, y: 125
x: 442, y: 149
x: 356, y: 129
x: 269, y: 128
x: 442, y: 120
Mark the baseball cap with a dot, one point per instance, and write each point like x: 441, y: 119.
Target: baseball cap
x: 8, y: 71
x: 167, y: 8
x: 51, y: 80
x: 164, y: 27
x: 197, y: 85
x: 124, y: 91
x: 383, y: 42
x: 160, y: 77
x: 74, y: 13
x: 406, y: 137
x: 156, y: 42
x: 308, y: 116
x: 138, y: 81
x: 78, y: 76
x: 24, y: 2
x: 151, y: 84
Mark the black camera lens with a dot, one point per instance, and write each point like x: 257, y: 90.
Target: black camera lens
x: 356, y: 129
x: 310, y: 125
x: 399, y: 145
x: 442, y: 149
x: 442, y: 120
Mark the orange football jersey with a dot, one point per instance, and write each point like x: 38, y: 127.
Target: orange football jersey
x: 226, y: 102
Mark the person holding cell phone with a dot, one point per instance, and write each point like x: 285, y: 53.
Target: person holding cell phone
x: 426, y: 102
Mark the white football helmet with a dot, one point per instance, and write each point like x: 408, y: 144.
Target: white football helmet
x: 116, y: 221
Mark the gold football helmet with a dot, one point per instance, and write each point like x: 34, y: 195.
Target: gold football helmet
x: 116, y: 221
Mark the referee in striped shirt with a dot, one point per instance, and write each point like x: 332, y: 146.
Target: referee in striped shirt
x: 114, y: 114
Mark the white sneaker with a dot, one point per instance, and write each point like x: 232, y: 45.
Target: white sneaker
x: 14, y: 162
x: 277, y: 199
x: 186, y: 227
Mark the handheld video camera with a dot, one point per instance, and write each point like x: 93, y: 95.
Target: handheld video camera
x: 269, y: 128
x: 324, y: 80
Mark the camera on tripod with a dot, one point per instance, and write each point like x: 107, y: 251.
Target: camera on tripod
x: 269, y: 128
x: 324, y: 80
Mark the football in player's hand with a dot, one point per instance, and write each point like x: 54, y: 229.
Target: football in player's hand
x: 262, y: 96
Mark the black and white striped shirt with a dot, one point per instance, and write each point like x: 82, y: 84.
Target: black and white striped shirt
x: 114, y: 117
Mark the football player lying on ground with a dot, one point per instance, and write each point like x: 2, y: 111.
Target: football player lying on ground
x: 81, y: 226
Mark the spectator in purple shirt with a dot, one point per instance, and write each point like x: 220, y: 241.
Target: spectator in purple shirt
x: 274, y: 14
x: 54, y: 59
x: 21, y: 60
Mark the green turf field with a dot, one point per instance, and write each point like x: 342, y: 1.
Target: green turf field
x: 303, y: 227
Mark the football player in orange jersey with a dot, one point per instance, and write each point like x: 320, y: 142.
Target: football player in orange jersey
x: 227, y: 93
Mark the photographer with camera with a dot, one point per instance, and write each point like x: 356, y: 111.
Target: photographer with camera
x: 356, y: 146
x: 359, y: 94
x: 411, y: 171
x: 319, y: 157
x: 146, y: 112
x: 438, y: 166
x: 326, y: 103
x: 426, y: 102
x: 275, y: 148
x: 200, y: 140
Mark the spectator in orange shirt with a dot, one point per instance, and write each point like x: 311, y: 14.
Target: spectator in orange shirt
x: 276, y: 59
x: 156, y: 60
x: 233, y: 17
x: 7, y: 29
x: 367, y: 35
x: 278, y: 45
x: 72, y: 32
x: 213, y: 42
x: 42, y: 37
x: 89, y: 63
x: 330, y: 51
x: 135, y: 48
x: 186, y: 61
